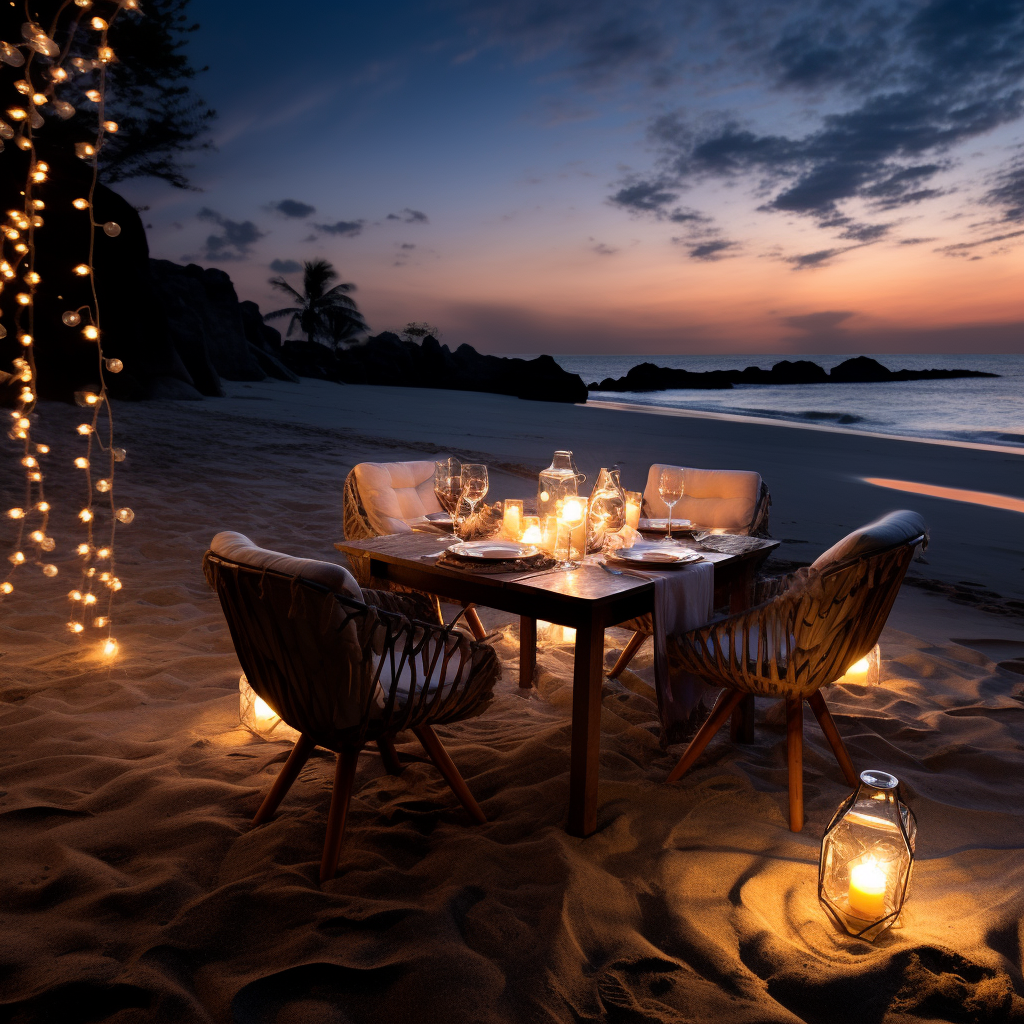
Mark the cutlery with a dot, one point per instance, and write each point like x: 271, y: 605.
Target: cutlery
x: 624, y: 572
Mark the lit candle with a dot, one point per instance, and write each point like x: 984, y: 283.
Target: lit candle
x: 867, y: 890
x: 531, y: 530
x: 549, y: 534
x: 858, y: 668
x: 513, y: 519
x: 633, y: 514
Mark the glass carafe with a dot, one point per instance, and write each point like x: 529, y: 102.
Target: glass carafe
x: 606, y: 511
x: 556, y: 483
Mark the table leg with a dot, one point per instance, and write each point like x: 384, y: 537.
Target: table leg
x: 527, y: 651
x: 741, y: 727
x: 586, y: 729
x: 742, y: 589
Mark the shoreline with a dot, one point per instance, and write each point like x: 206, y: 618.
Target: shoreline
x: 665, y: 410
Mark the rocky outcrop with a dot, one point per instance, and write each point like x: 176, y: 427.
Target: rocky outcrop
x: 861, y: 370
x: 387, y: 359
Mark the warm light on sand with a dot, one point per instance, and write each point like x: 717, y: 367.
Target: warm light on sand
x: 950, y: 493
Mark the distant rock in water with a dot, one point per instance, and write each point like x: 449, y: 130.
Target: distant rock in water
x: 388, y: 360
x: 861, y: 370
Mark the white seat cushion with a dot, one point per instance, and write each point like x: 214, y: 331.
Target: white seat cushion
x: 405, y: 682
x: 395, y: 494
x: 236, y: 547
x: 722, y: 498
x: 887, y: 532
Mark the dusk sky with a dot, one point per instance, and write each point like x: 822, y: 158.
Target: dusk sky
x: 587, y: 176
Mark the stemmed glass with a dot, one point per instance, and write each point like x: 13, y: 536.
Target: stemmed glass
x: 448, y: 486
x: 474, y: 484
x: 670, y: 487
x: 572, y: 515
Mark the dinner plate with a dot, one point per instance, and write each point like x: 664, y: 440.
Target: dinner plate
x: 493, y: 550
x: 661, y: 525
x: 655, y: 558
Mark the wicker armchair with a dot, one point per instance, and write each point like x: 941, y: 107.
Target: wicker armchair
x: 358, y: 524
x: 824, y: 619
x: 345, y: 672
x: 754, y: 526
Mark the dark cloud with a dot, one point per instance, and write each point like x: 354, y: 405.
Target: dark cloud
x: 821, y: 258
x: 906, y: 84
x: 915, y: 241
x: 715, y: 249
x: 825, y: 322
x: 1008, y: 192
x: 962, y: 248
x: 235, y: 243
x: 285, y: 266
x: 408, y: 216
x: 344, y: 228
x: 408, y: 245
x: 601, y: 248
x: 292, y: 208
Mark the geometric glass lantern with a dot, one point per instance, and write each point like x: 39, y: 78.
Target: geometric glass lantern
x: 867, y: 856
x: 259, y: 717
x: 864, y: 671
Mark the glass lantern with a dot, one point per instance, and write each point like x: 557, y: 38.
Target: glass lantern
x: 606, y: 511
x: 259, y: 717
x: 557, y: 482
x: 864, y: 671
x: 867, y: 855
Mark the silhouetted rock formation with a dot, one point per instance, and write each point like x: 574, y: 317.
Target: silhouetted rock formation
x: 861, y: 370
x: 387, y: 359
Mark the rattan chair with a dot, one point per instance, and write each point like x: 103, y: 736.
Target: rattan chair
x: 359, y: 524
x: 755, y: 526
x: 822, y: 620
x: 345, y: 672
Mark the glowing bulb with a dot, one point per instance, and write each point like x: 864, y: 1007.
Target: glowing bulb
x: 38, y: 204
x: 114, y: 584
x: 85, y: 150
x: 29, y: 463
x: 83, y: 3
x: 90, y: 332
x: 58, y: 74
x: 85, y: 515
x: 103, y: 486
x: 84, y: 428
x: 23, y: 299
x: 124, y: 515
x: 35, y: 477
x: 94, y: 95
x: 110, y: 647
x: 110, y: 126
x: 43, y: 449
x: 25, y: 339
x: 119, y: 454
x: 858, y: 668
x: 64, y: 109
x: 32, y: 277
x: 114, y: 365
x: 37, y: 536
x: 89, y: 599
x: 43, y: 506
x: 71, y: 318
x: 80, y: 204
x: 6, y: 588
x: 75, y: 627
x: 24, y: 423
x: 83, y: 549
x: 86, y: 398
x: 18, y: 558
x: 99, y: 24
x: 90, y: 572
x: 16, y: 114
x: 47, y: 543
x: 112, y: 228
x: 103, y: 553
x: 12, y: 233
x: 104, y: 54
x: 82, y: 463
x: 38, y: 99
x: 23, y: 87
x: 50, y: 570
x: 16, y: 513
x: 100, y: 621
x: 263, y: 711
x: 21, y: 247
x: 82, y: 270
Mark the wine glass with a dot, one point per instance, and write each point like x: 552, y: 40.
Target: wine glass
x: 448, y: 486
x: 670, y: 487
x: 572, y: 515
x: 474, y: 484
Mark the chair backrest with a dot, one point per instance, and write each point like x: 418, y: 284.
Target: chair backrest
x: 392, y: 494
x: 886, y: 532
x: 332, y: 666
x: 723, y: 498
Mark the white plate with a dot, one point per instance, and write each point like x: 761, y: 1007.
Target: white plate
x: 655, y: 558
x: 661, y: 525
x: 493, y: 550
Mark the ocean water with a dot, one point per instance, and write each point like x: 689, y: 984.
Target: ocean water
x: 987, y: 410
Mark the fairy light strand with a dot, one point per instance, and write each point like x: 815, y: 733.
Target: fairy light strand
x: 98, y: 564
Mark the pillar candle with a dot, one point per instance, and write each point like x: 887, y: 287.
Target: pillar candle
x: 867, y: 890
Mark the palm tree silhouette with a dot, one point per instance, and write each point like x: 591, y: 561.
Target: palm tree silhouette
x: 327, y: 316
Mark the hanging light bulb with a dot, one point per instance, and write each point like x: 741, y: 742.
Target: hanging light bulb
x: 100, y: 621
x: 124, y: 515
x: 29, y: 463
x: 90, y: 332
x: 64, y: 109
x: 112, y: 228
x: 86, y: 515
x: 42, y: 506
x: 103, y: 553
x: 23, y: 143
x: 50, y: 569
x: 32, y: 277
x: 6, y: 588
x: 18, y: 558
x: 93, y: 94
x: 85, y: 150
x: 23, y: 299
x: 16, y: 114
x: 6, y: 131
x: 38, y: 40
x: 119, y: 454
x: 110, y: 126
x: 72, y: 319
x: 83, y: 549
x: 90, y: 599
x: 86, y: 399
x: 38, y: 99
x: 114, y: 583
x: 25, y: 339
x: 75, y: 627
x: 84, y: 428
x: 58, y: 74
x: 105, y: 55
x: 47, y: 543
x: 80, y: 204
x: 82, y: 463
x: 37, y: 536
x: 38, y: 204
x: 11, y: 55
x: 110, y: 647
x: 114, y: 365
x: 43, y: 449
x: 82, y: 270
x: 103, y: 486
x: 99, y: 24
x: 16, y: 513
x: 83, y: 3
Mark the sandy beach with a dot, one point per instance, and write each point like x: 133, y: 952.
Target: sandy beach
x: 133, y: 888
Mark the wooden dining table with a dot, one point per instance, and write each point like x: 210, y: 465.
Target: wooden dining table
x: 587, y: 599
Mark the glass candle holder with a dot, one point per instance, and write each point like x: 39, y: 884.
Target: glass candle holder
x: 259, y: 717
x: 531, y: 531
x: 549, y: 533
x: 634, y: 503
x: 512, y: 520
x: 867, y: 856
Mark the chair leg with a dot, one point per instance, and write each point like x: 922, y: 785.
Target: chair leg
x: 435, y: 750
x: 727, y: 700
x: 389, y: 756
x: 628, y: 653
x: 289, y: 773
x: 795, y: 758
x: 474, y: 623
x: 835, y: 741
x: 344, y: 774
